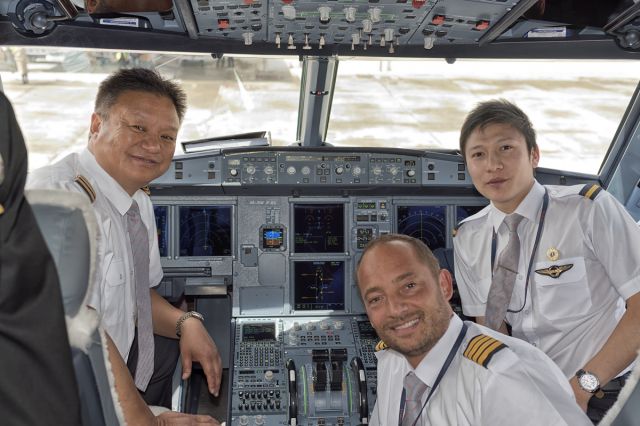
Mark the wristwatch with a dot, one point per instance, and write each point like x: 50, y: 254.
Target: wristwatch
x: 589, y: 382
x: 184, y: 317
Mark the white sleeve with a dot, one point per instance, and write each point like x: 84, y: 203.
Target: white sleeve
x: 615, y: 239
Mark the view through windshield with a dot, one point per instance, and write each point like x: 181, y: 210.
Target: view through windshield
x: 575, y: 106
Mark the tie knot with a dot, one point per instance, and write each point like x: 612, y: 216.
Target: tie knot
x: 512, y: 221
x: 414, y: 387
x: 133, y: 210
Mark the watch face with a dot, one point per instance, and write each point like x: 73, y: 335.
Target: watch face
x: 589, y: 382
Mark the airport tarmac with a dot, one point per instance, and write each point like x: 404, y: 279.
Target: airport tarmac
x: 575, y: 108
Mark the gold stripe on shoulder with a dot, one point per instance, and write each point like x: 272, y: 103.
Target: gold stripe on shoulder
x: 86, y: 186
x: 381, y: 346
x: 482, y: 348
x: 1, y: 209
x: 146, y: 190
x: 590, y: 191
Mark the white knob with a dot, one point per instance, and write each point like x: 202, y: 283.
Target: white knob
x: 322, y: 42
x: 394, y: 171
x: 306, y: 170
x: 290, y: 44
x: 377, y: 170
x: 296, y: 326
x: 350, y: 14
x: 259, y: 420
x: 374, y: 14
x: 324, y: 325
x: 291, y: 170
x: 325, y: 14
x: 339, y: 325
x: 268, y: 375
x: 278, y: 40
x: 244, y: 420
x: 388, y: 34
x: 428, y: 42
x: 309, y: 326
x: 411, y: 173
x: 289, y: 12
x: 248, y: 38
x: 251, y: 169
x: 367, y: 25
x: 356, y: 171
x: 233, y: 172
x: 268, y: 170
x: 339, y: 170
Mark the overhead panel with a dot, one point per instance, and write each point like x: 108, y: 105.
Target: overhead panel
x: 362, y: 25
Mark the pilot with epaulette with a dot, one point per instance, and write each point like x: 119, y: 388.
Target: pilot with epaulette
x: 435, y: 369
x: 555, y: 264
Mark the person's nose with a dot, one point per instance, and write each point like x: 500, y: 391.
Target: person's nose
x: 152, y: 143
x: 397, y: 305
x: 494, y: 162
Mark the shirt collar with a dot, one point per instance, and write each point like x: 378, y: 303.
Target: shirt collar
x: 528, y: 207
x: 430, y: 366
x: 108, y: 186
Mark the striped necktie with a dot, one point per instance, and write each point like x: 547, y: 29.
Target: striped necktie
x: 414, y: 389
x: 504, y: 277
x: 138, y: 238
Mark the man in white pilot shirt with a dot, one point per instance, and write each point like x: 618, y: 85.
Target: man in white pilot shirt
x: 485, y: 378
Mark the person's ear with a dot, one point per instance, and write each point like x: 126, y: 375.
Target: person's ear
x: 446, y: 284
x: 535, y: 157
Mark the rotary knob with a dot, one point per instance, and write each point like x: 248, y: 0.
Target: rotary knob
x: 356, y: 171
x: 296, y: 326
x: 268, y: 170
x: 394, y: 171
x: 339, y: 325
x: 377, y: 170
x: 233, y: 172
x: 251, y: 169
x: 244, y: 420
x: 306, y: 170
x: 324, y: 325
x: 339, y: 170
x: 291, y: 170
x: 309, y: 326
x: 411, y: 173
x: 268, y: 375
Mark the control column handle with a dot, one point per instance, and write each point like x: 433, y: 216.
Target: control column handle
x: 293, y: 392
x: 358, y: 370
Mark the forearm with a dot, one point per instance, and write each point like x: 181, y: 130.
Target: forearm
x: 165, y: 316
x: 133, y: 406
x: 620, y: 349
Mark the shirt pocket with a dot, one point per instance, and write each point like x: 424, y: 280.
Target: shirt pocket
x: 566, y: 296
x: 115, y: 273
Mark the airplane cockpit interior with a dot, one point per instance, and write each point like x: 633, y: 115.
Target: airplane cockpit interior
x: 263, y: 239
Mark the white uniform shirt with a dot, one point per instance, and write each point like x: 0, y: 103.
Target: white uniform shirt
x: 520, y: 386
x: 569, y: 317
x: 114, y: 294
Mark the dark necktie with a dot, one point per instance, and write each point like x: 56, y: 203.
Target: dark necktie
x: 414, y: 389
x: 138, y: 238
x: 504, y: 276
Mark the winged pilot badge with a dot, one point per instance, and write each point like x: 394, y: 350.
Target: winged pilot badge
x: 554, y: 271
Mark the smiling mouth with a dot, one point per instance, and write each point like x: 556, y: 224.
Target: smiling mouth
x: 496, y: 181
x: 145, y: 160
x: 406, y: 325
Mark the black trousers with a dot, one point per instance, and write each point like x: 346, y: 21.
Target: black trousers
x: 164, y: 364
x: 598, y: 407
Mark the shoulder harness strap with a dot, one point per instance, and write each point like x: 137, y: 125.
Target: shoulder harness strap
x: 86, y: 187
x: 381, y: 346
x: 590, y: 191
x: 482, y: 348
x: 146, y: 190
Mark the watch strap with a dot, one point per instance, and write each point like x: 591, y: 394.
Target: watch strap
x: 184, y: 317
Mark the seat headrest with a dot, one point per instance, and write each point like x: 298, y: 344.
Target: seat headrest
x: 68, y: 225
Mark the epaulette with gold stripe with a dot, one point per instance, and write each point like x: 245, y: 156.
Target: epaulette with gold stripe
x: 1, y: 209
x: 381, y: 346
x: 146, y: 190
x: 590, y: 191
x: 482, y: 348
x: 86, y: 186
x: 455, y: 229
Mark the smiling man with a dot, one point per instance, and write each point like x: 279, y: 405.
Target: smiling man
x: 439, y: 370
x: 557, y: 264
x: 132, y: 139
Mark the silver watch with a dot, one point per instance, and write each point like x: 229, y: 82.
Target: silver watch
x: 589, y: 382
x: 185, y: 316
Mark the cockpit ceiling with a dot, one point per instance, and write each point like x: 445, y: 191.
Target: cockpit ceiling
x: 380, y: 28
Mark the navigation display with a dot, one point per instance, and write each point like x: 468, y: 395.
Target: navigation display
x: 427, y: 223
x: 162, y: 228
x: 318, y: 228
x: 205, y: 230
x: 319, y: 285
x: 259, y: 332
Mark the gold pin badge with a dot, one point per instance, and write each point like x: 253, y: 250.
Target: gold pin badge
x: 553, y: 254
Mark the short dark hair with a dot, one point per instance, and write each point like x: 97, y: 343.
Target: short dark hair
x: 422, y: 252
x: 497, y: 111
x: 141, y: 80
